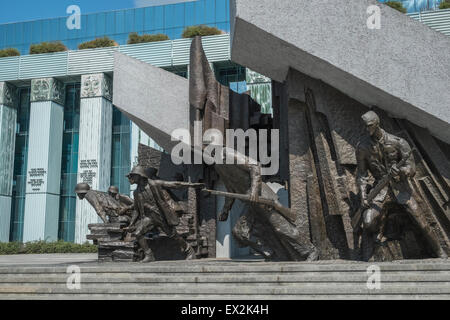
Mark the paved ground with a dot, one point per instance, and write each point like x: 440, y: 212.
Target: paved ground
x: 90, y: 259
x: 47, y: 259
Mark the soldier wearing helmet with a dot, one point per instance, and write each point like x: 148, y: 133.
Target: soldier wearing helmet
x: 378, y: 154
x: 126, y: 203
x: 154, y: 208
x: 102, y: 202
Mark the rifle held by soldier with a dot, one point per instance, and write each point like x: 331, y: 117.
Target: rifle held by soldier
x: 356, y: 219
x: 285, y: 212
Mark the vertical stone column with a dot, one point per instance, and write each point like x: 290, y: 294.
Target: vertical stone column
x: 94, y: 154
x: 44, y: 160
x: 8, y: 119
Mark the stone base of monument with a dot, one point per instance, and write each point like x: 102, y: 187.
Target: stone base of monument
x: 114, y: 245
x: 109, y: 239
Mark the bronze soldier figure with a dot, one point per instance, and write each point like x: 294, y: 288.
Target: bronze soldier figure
x: 153, y: 210
x: 379, y: 154
x: 267, y: 228
x: 105, y: 205
x: 126, y: 203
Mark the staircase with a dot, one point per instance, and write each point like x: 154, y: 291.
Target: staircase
x: 230, y: 280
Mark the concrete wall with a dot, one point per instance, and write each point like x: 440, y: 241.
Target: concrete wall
x: 403, y: 67
x: 154, y: 99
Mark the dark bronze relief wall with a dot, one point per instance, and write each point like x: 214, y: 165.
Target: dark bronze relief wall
x: 323, y: 130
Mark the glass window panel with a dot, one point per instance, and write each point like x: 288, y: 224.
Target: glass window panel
x: 54, y: 30
x: 210, y: 11
x: 149, y: 18
x: 10, y: 37
x: 129, y: 20
x: 200, y: 12
x: 110, y: 22
x: 125, y: 150
x: 124, y: 182
x: 175, y: 33
x: 189, y: 14
x: 115, y: 177
x: 71, y: 34
x: 116, y: 149
x: 21, y: 184
x: 169, y: 16
x: 174, y: 15
x: 138, y: 20
x: 62, y: 29
x: 75, y: 141
x: 83, y: 31
x: 120, y: 22
x: 27, y: 32
x: 74, y: 162
x: 37, y: 32
x: 45, y: 32
x: 91, y: 24
x: 2, y: 36
x: 222, y: 10
x: 179, y: 15
x: 100, y: 24
x: 18, y: 33
x: 72, y: 44
x: 65, y: 184
x: 158, y: 17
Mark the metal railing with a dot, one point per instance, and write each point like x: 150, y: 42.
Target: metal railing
x: 72, y: 63
x: 438, y: 20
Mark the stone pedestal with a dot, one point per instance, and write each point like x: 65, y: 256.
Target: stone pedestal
x: 8, y: 119
x: 44, y: 160
x: 94, y: 155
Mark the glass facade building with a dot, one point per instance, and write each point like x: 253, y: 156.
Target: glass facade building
x: 69, y: 164
x: 20, y: 166
x: 418, y: 5
x: 120, y: 155
x: 167, y: 19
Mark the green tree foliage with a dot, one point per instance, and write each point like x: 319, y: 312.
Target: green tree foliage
x: 98, y: 43
x: 445, y: 4
x: 47, y: 47
x: 201, y: 30
x: 9, y: 52
x: 397, y: 5
x: 40, y: 247
x: 134, y: 38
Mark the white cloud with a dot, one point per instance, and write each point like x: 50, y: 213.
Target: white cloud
x: 149, y: 3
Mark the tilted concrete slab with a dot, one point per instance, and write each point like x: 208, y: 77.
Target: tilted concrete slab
x: 153, y: 98
x: 404, y: 67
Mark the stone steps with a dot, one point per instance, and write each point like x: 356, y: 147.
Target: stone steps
x: 229, y: 280
x: 288, y: 277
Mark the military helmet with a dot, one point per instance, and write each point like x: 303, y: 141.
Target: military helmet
x: 370, y: 118
x: 82, y: 188
x: 113, y: 189
x: 138, y: 170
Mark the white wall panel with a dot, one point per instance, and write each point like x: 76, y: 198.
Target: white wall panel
x: 43, y: 171
x: 94, y: 147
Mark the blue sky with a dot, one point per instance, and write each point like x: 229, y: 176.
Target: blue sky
x: 24, y: 10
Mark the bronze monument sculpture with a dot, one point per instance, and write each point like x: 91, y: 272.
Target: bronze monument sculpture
x: 154, y: 209
x: 389, y: 159
x: 355, y: 191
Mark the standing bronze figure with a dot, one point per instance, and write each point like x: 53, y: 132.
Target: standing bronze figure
x: 384, y: 155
